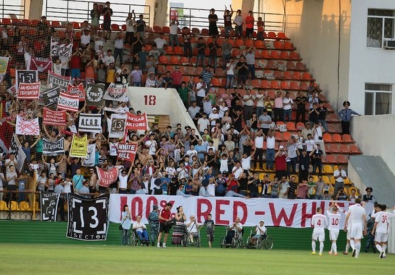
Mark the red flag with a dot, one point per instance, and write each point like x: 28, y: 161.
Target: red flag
x: 106, y: 178
x: 136, y: 123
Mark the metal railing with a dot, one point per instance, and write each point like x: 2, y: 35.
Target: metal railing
x: 198, y: 18
x: 9, y: 7
x: 79, y: 11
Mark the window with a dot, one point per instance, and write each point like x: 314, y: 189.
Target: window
x: 378, y: 99
x: 380, y: 27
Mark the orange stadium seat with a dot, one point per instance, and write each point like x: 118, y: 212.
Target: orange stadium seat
x: 259, y: 44
x: 294, y: 85
x: 284, y: 55
x: 343, y: 159
x: 115, y: 27
x: 169, y: 50
x: 34, y: 22
x: 279, y: 136
x: 157, y: 29
x: 255, y: 83
x: 275, y: 55
x: 288, y: 75
x: 307, y: 76
x: 331, y: 159
x: 271, y: 65
x: 287, y: 135
x: 347, y: 138
x: 291, y: 126
x: 285, y: 85
x: 354, y: 149
x: 216, y: 82
x: 6, y: 21
x: 278, y: 45
x: 300, y: 66
x: 327, y: 137
x: 265, y: 54
x: 163, y: 59
x: 165, y: 29
x: 249, y: 43
x: 278, y: 75
x: 275, y: 85
x: 294, y: 56
x: 239, y: 42
x: 178, y: 50
x: 337, y: 138
x: 290, y: 66
x: 271, y: 35
x: 265, y: 84
x: 303, y: 86
x: 288, y: 46
x: 297, y: 75
x: 271, y: 94
x: 282, y: 36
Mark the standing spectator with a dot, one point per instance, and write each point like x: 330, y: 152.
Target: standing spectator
x: 207, y: 75
x: 250, y: 59
x: 213, y: 46
x: 242, y: 68
x: 107, y: 13
x: 230, y: 73
x: 292, y: 155
x: 183, y: 93
x: 269, y: 103
x: 136, y: 76
x: 228, y: 20
x: 95, y: 17
x: 313, y: 99
x: 75, y: 64
x: 293, y: 185
x: 345, y: 116
x: 278, y: 107
x: 259, y: 99
x: 316, y: 159
x: 201, y: 47
x: 118, y: 48
x: 126, y: 224
x: 368, y: 197
x: 303, y: 190
x: 248, y: 102
x: 176, y: 75
x: 186, y: 37
x: 160, y: 43
x: 141, y: 27
x: 137, y: 46
x: 238, y: 21
x: 11, y: 178
x: 300, y: 108
x: 322, y: 111
x: 153, y: 220
x: 287, y: 103
x: 270, y: 147
x: 226, y: 53
x: 259, y: 142
x: 108, y: 59
x: 60, y: 190
x: 200, y: 89
x: 340, y: 175
x: 174, y: 33
x: 249, y: 24
x: 168, y: 81
x: 164, y: 224
x: 261, y: 29
x: 313, y: 114
x: 130, y: 22
x: 280, y: 161
x: 319, y: 192
x: 304, y: 164
x: 284, y: 188
x: 212, y: 23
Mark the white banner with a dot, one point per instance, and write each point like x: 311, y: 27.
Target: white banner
x: 90, y: 123
x: 116, y: 92
x: 89, y: 161
x: 116, y: 125
x: 27, y: 127
x: 275, y: 212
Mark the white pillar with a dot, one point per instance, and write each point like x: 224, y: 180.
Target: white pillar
x: 159, y: 11
x: 33, y: 8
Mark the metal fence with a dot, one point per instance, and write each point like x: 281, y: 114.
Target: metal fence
x: 79, y: 11
x: 12, y: 7
x: 198, y: 18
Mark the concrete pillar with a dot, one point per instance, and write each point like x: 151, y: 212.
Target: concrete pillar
x: 33, y: 8
x: 244, y: 5
x: 159, y: 11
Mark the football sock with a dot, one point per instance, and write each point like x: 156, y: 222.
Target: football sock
x: 384, y: 246
x: 347, y: 247
x: 334, y: 248
x: 352, y: 244
x: 358, y: 248
x: 379, y: 248
x: 313, y: 245
x: 321, y: 247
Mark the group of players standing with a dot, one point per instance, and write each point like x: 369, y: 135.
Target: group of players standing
x: 355, y: 225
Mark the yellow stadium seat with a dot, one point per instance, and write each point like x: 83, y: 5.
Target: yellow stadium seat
x: 24, y: 206
x: 3, y: 206
x: 326, y: 179
x: 14, y: 206
x: 328, y: 169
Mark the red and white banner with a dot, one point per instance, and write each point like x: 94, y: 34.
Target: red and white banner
x: 68, y: 102
x: 77, y: 90
x: 12, y: 90
x: 27, y: 127
x: 275, y: 212
x: 29, y: 90
x: 51, y: 117
x: 136, y: 123
x: 42, y: 65
x: 106, y: 178
x: 116, y: 92
x: 127, y: 151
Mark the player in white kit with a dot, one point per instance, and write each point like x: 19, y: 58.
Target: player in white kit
x: 319, y: 222
x: 357, y: 216
x: 381, y: 227
x: 333, y: 226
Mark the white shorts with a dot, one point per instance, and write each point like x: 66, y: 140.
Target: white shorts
x: 333, y: 234
x: 318, y: 234
x: 356, y: 231
x: 381, y: 237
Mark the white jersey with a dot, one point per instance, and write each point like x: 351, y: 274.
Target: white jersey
x: 382, y: 220
x: 334, y: 220
x: 319, y: 221
x: 357, y: 214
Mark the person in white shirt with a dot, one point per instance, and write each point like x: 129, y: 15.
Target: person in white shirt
x: 151, y: 144
x: 234, y: 228
x: 203, y: 123
x: 85, y: 38
x: 260, y: 231
x: 130, y: 22
x: 141, y: 230
x: 246, y: 160
x: 160, y: 43
x: 237, y: 171
x: 193, y: 229
x: 123, y: 182
x: 200, y: 91
x: 357, y: 215
x: 381, y: 229
x: 333, y: 227
x: 109, y: 58
x: 99, y: 41
x: 260, y: 103
x: 339, y: 176
x: 174, y: 33
x: 319, y: 222
x: 287, y: 103
x: 248, y: 103
x: 310, y: 144
x: 259, y: 143
x: 191, y: 152
x: 213, y: 117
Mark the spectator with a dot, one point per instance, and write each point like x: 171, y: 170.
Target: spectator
x: 130, y: 23
x: 269, y: 103
x: 174, y: 33
x: 316, y: 159
x: 95, y: 18
x: 275, y: 188
x: 353, y: 195
x: 238, y: 21
x: 313, y: 114
x: 304, y: 164
x: 320, y: 188
x: 126, y: 224
x: 292, y: 156
x: 341, y: 195
x: 261, y: 29
x: 168, y: 81
x: 226, y: 54
x: 118, y: 48
x: 176, y: 75
x: 293, y: 186
x: 300, y: 108
x: 212, y: 27
x: 280, y: 161
x: 259, y: 100
x: 183, y: 93
x: 228, y: 20
x: 230, y: 67
x: 368, y: 197
x: 249, y: 24
x: 242, y: 68
x: 136, y: 76
x: 284, y: 188
x: 287, y: 107
x: 340, y: 175
x: 186, y: 37
x: 141, y: 230
x: 160, y: 43
x: 213, y: 47
x: 346, y: 116
x: 303, y: 190
x: 322, y: 110
x: 278, y: 107
x: 107, y: 13
x: 141, y: 25
x: 201, y: 47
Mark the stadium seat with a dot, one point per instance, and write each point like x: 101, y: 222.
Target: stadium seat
x: 279, y: 136
x: 326, y: 179
x: 271, y: 94
x: 343, y: 148
x: 288, y: 46
x: 157, y: 29
x: 165, y: 29
x: 170, y: 68
x: 14, y: 206
x: 307, y: 76
x: 278, y: 75
x: 215, y: 82
x: 75, y: 25
x: 282, y: 36
x: 284, y: 55
x: 271, y: 35
x: 219, y: 72
x: 259, y: 44
x: 342, y: 159
x: 327, y: 169
x: 265, y: 54
x: 303, y: 86
x: 236, y: 53
x: 347, y: 138
x: 249, y: 43
x: 287, y: 135
x: 275, y: 85
x: 275, y: 55
x: 278, y: 45
x: 337, y: 138
x: 255, y: 83
x: 24, y: 206
x: 284, y: 85
x: 185, y: 78
x: 331, y: 159
x: 327, y: 137
x: 123, y: 27
x: 294, y: 56
x: 55, y: 24
x: 169, y: 50
x: 297, y: 75
x: 271, y: 65
x: 290, y: 66
x: 334, y: 148
x: 6, y: 21
x: 291, y: 126
x: 115, y: 27
x: 300, y: 66
x: 195, y: 31
x: 163, y: 59
x: 354, y: 149
x: 288, y: 75
x: 265, y: 84
x: 34, y: 22
x: 204, y: 32
x: 178, y: 50
x: 294, y: 86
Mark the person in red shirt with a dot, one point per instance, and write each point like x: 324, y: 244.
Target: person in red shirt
x: 164, y: 225
x: 177, y: 78
x: 281, y: 163
x: 249, y: 24
x: 75, y: 64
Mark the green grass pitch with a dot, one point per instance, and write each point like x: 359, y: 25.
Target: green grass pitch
x: 96, y: 259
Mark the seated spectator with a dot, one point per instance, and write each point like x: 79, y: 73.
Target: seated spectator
x: 141, y: 230
x: 303, y: 190
x: 341, y: 195
x: 236, y: 226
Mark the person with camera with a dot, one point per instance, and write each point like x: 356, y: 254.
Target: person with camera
x: 164, y: 224
x: 126, y: 224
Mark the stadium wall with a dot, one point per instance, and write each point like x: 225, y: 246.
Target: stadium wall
x: 29, y: 232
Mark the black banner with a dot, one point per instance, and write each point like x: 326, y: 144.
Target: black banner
x: 50, y: 97
x: 49, y: 205
x: 25, y: 77
x: 51, y: 148
x: 94, y: 94
x: 88, y: 218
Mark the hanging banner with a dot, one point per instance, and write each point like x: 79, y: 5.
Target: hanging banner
x: 89, y: 161
x: 127, y: 151
x: 224, y: 210
x: 12, y: 90
x: 55, y: 80
x: 49, y: 206
x: 88, y: 218
x: 51, y: 96
x: 28, y: 76
x: 68, y: 102
x: 113, y: 110
x: 16, y: 149
x: 42, y: 65
x: 117, y: 126
x: 61, y: 50
x: 79, y: 147
x: 77, y: 90
x: 3, y: 64
x: 56, y: 118
x: 90, y: 123
x: 53, y: 148
x: 29, y: 90
x: 116, y: 92
x: 106, y: 178
x: 137, y: 123
x: 27, y: 127
x: 94, y: 94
